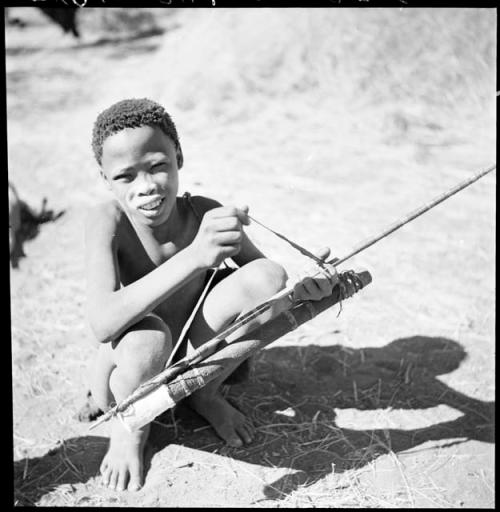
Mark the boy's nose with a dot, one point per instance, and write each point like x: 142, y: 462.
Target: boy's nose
x: 146, y: 185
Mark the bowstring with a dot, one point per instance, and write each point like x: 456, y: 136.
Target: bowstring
x: 305, y: 252
x: 295, y: 245
x: 189, y: 321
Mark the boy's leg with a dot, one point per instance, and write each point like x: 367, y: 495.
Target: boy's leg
x: 242, y: 290
x: 121, y: 367
x: 240, y: 374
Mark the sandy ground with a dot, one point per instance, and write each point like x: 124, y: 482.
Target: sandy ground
x: 389, y: 405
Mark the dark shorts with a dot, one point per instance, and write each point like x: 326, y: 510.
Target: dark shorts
x: 219, y: 276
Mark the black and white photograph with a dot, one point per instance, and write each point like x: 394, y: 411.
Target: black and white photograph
x: 252, y: 254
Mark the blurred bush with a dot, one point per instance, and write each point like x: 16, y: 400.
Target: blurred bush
x: 118, y: 22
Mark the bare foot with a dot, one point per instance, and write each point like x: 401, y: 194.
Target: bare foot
x: 122, y: 466
x: 233, y: 426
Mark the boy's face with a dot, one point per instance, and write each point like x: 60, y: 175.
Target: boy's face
x: 140, y: 167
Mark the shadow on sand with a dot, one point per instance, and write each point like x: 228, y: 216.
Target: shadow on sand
x: 314, y: 381
x: 74, y: 461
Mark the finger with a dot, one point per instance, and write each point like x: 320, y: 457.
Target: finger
x: 325, y: 287
x: 226, y: 211
x: 300, y: 292
x: 231, y: 223
x: 322, y: 253
x: 328, y: 272
x: 228, y: 238
x: 312, y: 288
x: 313, y: 272
x: 243, y: 214
x: 307, y: 289
x: 331, y: 274
x: 228, y: 251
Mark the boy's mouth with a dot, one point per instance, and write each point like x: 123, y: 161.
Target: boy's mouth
x: 152, y: 205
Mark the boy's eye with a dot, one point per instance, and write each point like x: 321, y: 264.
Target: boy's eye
x: 122, y: 177
x: 158, y: 166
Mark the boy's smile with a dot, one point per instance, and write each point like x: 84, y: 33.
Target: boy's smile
x: 140, y: 167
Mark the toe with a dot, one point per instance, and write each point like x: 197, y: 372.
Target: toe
x: 103, y: 467
x: 230, y: 436
x: 135, y: 478
x: 235, y: 442
x: 106, y: 473
x: 134, y: 486
x: 249, y: 425
x: 245, y: 433
x: 121, y: 483
x: 113, y: 479
x: 251, y: 430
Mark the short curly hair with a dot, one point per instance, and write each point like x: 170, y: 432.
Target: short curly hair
x: 133, y: 113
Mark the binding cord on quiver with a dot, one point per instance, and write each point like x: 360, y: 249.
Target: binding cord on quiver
x: 348, y: 280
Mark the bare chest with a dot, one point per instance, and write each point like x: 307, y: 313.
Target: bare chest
x: 137, y: 258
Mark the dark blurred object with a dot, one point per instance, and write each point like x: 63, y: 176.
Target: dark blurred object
x: 13, y: 22
x: 89, y: 411
x: 14, y: 217
x: 24, y: 223
x: 122, y: 22
x: 64, y: 17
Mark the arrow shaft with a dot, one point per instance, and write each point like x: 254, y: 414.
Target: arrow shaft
x: 411, y: 216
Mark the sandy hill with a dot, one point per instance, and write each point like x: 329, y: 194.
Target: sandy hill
x: 344, y: 57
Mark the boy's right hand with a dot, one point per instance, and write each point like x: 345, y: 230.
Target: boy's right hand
x: 220, y: 235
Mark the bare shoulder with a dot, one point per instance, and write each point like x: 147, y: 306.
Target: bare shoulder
x: 105, y: 211
x: 103, y: 220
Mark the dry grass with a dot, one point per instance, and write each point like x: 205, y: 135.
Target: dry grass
x: 329, y: 128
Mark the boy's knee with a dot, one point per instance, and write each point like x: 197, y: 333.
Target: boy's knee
x: 266, y: 277
x: 145, y: 346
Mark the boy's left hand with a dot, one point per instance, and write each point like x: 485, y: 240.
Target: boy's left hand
x: 318, y: 287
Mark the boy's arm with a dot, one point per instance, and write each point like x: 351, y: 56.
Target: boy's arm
x: 111, y: 309
x: 102, y: 273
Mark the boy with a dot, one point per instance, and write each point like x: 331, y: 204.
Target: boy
x: 148, y: 255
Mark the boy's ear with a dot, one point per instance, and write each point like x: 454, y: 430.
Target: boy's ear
x: 179, y: 156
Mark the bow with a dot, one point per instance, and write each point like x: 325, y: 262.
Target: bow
x: 349, y: 283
